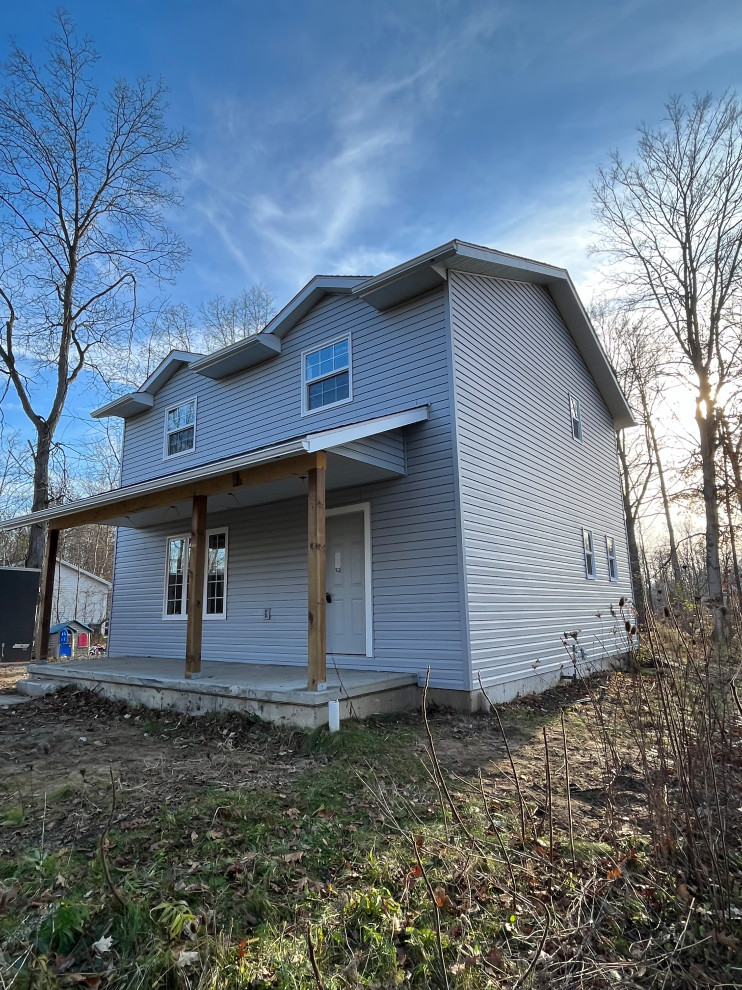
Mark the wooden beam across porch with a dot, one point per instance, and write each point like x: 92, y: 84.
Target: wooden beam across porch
x: 46, y: 595
x: 263, y: 474
x: 317, y: 632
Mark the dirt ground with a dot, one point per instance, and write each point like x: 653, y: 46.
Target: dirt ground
x: 10, y: 674
x: 257, y: 829
x: 73, y: 737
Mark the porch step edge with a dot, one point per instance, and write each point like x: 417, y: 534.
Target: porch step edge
x: 301, y: 696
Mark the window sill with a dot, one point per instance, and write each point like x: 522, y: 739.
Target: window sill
x: 330, y: 405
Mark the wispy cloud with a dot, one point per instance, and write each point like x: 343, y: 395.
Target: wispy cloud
x: 307, y: 205
x: 554, y: 226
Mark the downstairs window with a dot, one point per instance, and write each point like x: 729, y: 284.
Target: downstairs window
x: 215, y: 579
x: 610, y: 549
x: 589, y: 550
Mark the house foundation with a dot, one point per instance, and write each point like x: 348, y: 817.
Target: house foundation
x: 272, y: 692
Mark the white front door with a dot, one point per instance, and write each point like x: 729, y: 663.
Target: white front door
x: 346, y: 584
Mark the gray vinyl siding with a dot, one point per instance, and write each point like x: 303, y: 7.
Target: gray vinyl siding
x: 387, y: 450
x: 527, y: 488
x: 400, y: 360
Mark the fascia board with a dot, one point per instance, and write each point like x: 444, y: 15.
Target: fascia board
x: 167, y: 368
x: 83, y: 572
x: 581, y: 329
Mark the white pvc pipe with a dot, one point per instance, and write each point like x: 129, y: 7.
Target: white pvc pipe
x: 333, y: 715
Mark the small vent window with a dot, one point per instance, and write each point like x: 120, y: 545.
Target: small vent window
x: 589, y: 550
x: 610, y: 549
x: 576, y: 417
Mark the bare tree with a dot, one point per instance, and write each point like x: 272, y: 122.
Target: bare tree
x: 671, y: 224
x: 84, y: 184
x: 631, y: 345
x: 226, y: 321
x: 14, y: 479
x: 625, y: 344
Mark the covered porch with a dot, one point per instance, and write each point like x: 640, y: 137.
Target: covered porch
x: 309, y: 466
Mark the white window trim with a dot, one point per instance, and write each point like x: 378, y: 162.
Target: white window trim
x: 365, y: 508
x: 588, y: 575
x: 611, y: 557
x: 181, y: 453
x: 305, y: 410
x: 573, y: 398
x: 214, y: 616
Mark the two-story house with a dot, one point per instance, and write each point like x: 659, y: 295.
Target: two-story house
x: 404, y: 472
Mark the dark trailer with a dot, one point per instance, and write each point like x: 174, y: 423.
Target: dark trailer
x: 19, y: 592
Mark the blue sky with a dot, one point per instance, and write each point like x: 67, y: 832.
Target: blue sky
x: 346, y: 136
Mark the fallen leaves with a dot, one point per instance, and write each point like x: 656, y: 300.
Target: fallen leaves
x: 728, y: 941
x: 103, y: 944
x: 186, y: 958
x: 7, y: 896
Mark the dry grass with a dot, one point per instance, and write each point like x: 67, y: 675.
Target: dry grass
x: 604, y: 850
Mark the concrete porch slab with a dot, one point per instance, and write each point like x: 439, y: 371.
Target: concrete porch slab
x: 273, y: 692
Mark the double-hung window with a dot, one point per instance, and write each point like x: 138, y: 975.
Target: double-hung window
x: 610, y: 549
x: 326, y: 375
x: 215, y: 579
x: 180, y: 429
x: 589, y: 550
x: 576, y: 417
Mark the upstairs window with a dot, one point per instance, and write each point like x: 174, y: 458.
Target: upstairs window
x: 576, y: 417
x: 215, y: 579
x: 326, y: 375
x: 180, y: 429
x: 610, y: 549
x: 589, y: 550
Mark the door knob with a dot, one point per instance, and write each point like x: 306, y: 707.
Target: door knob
x: 328, y: 597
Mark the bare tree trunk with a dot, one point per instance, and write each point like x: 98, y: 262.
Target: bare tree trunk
x: 707, y: 432
x: 732, y: 535
x: 677, y: 573
x: 35, y: 554
x: 637, y: 578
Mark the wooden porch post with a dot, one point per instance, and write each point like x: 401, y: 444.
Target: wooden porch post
x: 196, y: 568
x: 317, y: 638
x: 46, y: 594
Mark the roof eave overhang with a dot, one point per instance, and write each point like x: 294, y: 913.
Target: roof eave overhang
x: 244, y: 354
x: 430, y: 270
x: 581, y: 329
x: 134, y: 403
x: 161, y: 484
x: 308, y: 297
x: 167, y: 368
x: 126, y: 406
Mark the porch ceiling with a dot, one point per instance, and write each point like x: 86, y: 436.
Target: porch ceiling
x: 342, y: 472
x: 271, y: 474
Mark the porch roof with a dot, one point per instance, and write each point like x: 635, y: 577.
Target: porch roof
x: 267, y: 474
